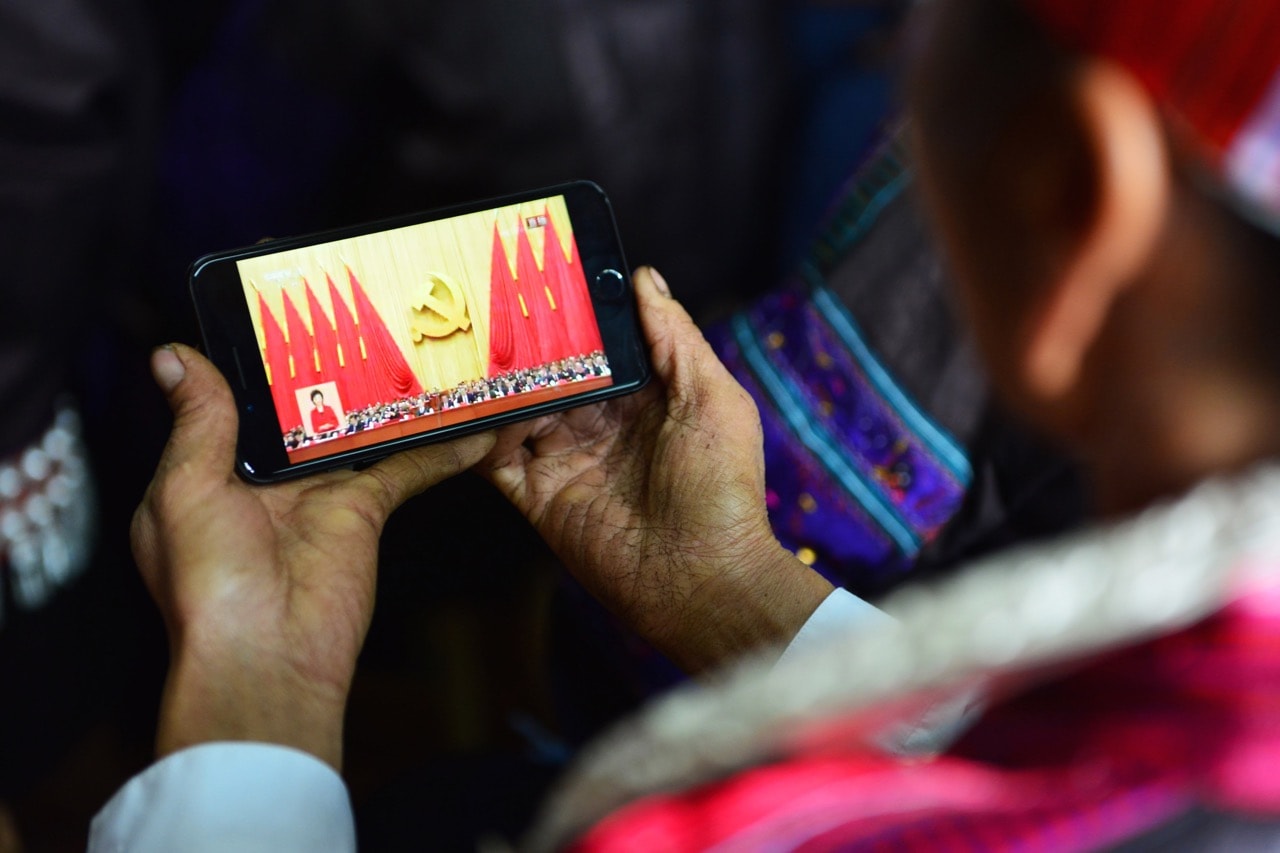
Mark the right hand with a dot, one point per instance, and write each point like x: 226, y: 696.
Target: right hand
x: 656, y: 501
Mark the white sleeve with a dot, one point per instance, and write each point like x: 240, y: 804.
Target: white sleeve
x: 229, y: 796
x: 837, y: 612
x: 927, y: 734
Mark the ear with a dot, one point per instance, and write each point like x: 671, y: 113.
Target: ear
x: 1114, y: 170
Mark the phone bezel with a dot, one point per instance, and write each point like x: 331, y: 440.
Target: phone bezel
x: 230, y: 342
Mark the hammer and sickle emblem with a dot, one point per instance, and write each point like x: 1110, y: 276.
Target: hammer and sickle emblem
x: 439, y: 310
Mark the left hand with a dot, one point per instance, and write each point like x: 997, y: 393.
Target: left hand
x: 656, y: 501
x: 266, y: 591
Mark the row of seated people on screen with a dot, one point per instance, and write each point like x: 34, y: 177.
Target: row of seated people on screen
x: 559, y: 372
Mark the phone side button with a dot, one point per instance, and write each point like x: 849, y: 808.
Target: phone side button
x: 235, y: 354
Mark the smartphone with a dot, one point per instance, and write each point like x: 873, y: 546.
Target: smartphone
x: 348, y: 345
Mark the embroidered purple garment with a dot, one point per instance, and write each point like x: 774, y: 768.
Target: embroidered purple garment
x: 860, y: 476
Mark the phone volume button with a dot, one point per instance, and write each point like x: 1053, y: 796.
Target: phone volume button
x: 235, y: 355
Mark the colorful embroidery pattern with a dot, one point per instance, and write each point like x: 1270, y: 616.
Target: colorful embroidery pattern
x: 859, y: 477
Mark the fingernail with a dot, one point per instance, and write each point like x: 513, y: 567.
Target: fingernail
x: 659, y: 282
x: 167, y: 368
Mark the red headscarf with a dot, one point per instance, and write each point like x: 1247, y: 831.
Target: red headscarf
x: 1214, y: 65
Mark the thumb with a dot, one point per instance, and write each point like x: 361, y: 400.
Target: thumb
x: 205, y: 422
x: 668, y: 328
x: 399, y: 477
x: 680, y: 354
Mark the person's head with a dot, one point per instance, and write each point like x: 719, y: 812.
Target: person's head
x: 317, y: 398
x: 1082, y: 163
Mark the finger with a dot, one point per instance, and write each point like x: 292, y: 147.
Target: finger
x: 509, y: 453
x: 400, y: 476
x: 510, y: 441
x: 672, y: 335
x: 517, y: 442
x: 667, y: 326
x: 205, y: 422
x: 505, y: 466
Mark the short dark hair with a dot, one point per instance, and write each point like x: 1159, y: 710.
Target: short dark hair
x: 317, y: 393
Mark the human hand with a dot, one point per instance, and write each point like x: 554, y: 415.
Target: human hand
x: 656, y: 501
x: 266, y: 591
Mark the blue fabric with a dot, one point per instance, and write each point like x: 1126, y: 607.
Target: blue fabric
x: 840, y: 93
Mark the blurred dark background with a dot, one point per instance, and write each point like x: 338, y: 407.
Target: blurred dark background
x: 135, y: 136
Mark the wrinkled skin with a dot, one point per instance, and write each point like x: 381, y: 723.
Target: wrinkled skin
x: 266, y: 591
x: 656, y: 501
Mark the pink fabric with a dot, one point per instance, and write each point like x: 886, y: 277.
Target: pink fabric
x: 1117, y: 749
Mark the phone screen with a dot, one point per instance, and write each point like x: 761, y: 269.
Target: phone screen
x: 424, y: 326
x: 377, y: 337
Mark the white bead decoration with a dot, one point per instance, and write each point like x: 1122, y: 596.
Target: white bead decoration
x: 47, y: 513
x: 10, y: 482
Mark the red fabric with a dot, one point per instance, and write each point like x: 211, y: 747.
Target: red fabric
x: 355, y: 382
x: 1234, y: 69
x: 325, y: 340
x: 511, y: 342
x: 569, y: 285
x: 301, y: 348
x: 389, y: 375
x: 324, y: 419
x: 1211, y: 61
x: 560, y: 323
x: 549, y: 332
x: 1113, y: 752
x: 276, y: 357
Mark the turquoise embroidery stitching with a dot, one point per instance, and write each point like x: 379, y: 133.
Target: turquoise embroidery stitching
x: 791, y: 405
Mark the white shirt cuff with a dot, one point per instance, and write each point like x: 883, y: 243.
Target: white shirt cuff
x: 837, y: 612
x: 229, y: 796
x: 930, y: 732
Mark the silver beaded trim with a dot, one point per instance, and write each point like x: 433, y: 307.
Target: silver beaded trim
x: 47, y: 513
x: 1016, y: 613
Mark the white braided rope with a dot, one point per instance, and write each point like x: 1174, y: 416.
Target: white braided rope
x: 1163, y: 569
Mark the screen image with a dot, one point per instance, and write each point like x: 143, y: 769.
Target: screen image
x: 398, y: 332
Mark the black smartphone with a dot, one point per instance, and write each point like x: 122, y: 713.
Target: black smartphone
x: 344, y: 346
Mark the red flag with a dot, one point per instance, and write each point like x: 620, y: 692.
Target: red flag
x: 326, y: 343
x: 569, y: 286
x: 352, y: 361
x: 276, y: 357
x: 511, y: 346
x: 302, y: 351
x: 389, y: 374
x: 548, y: 325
